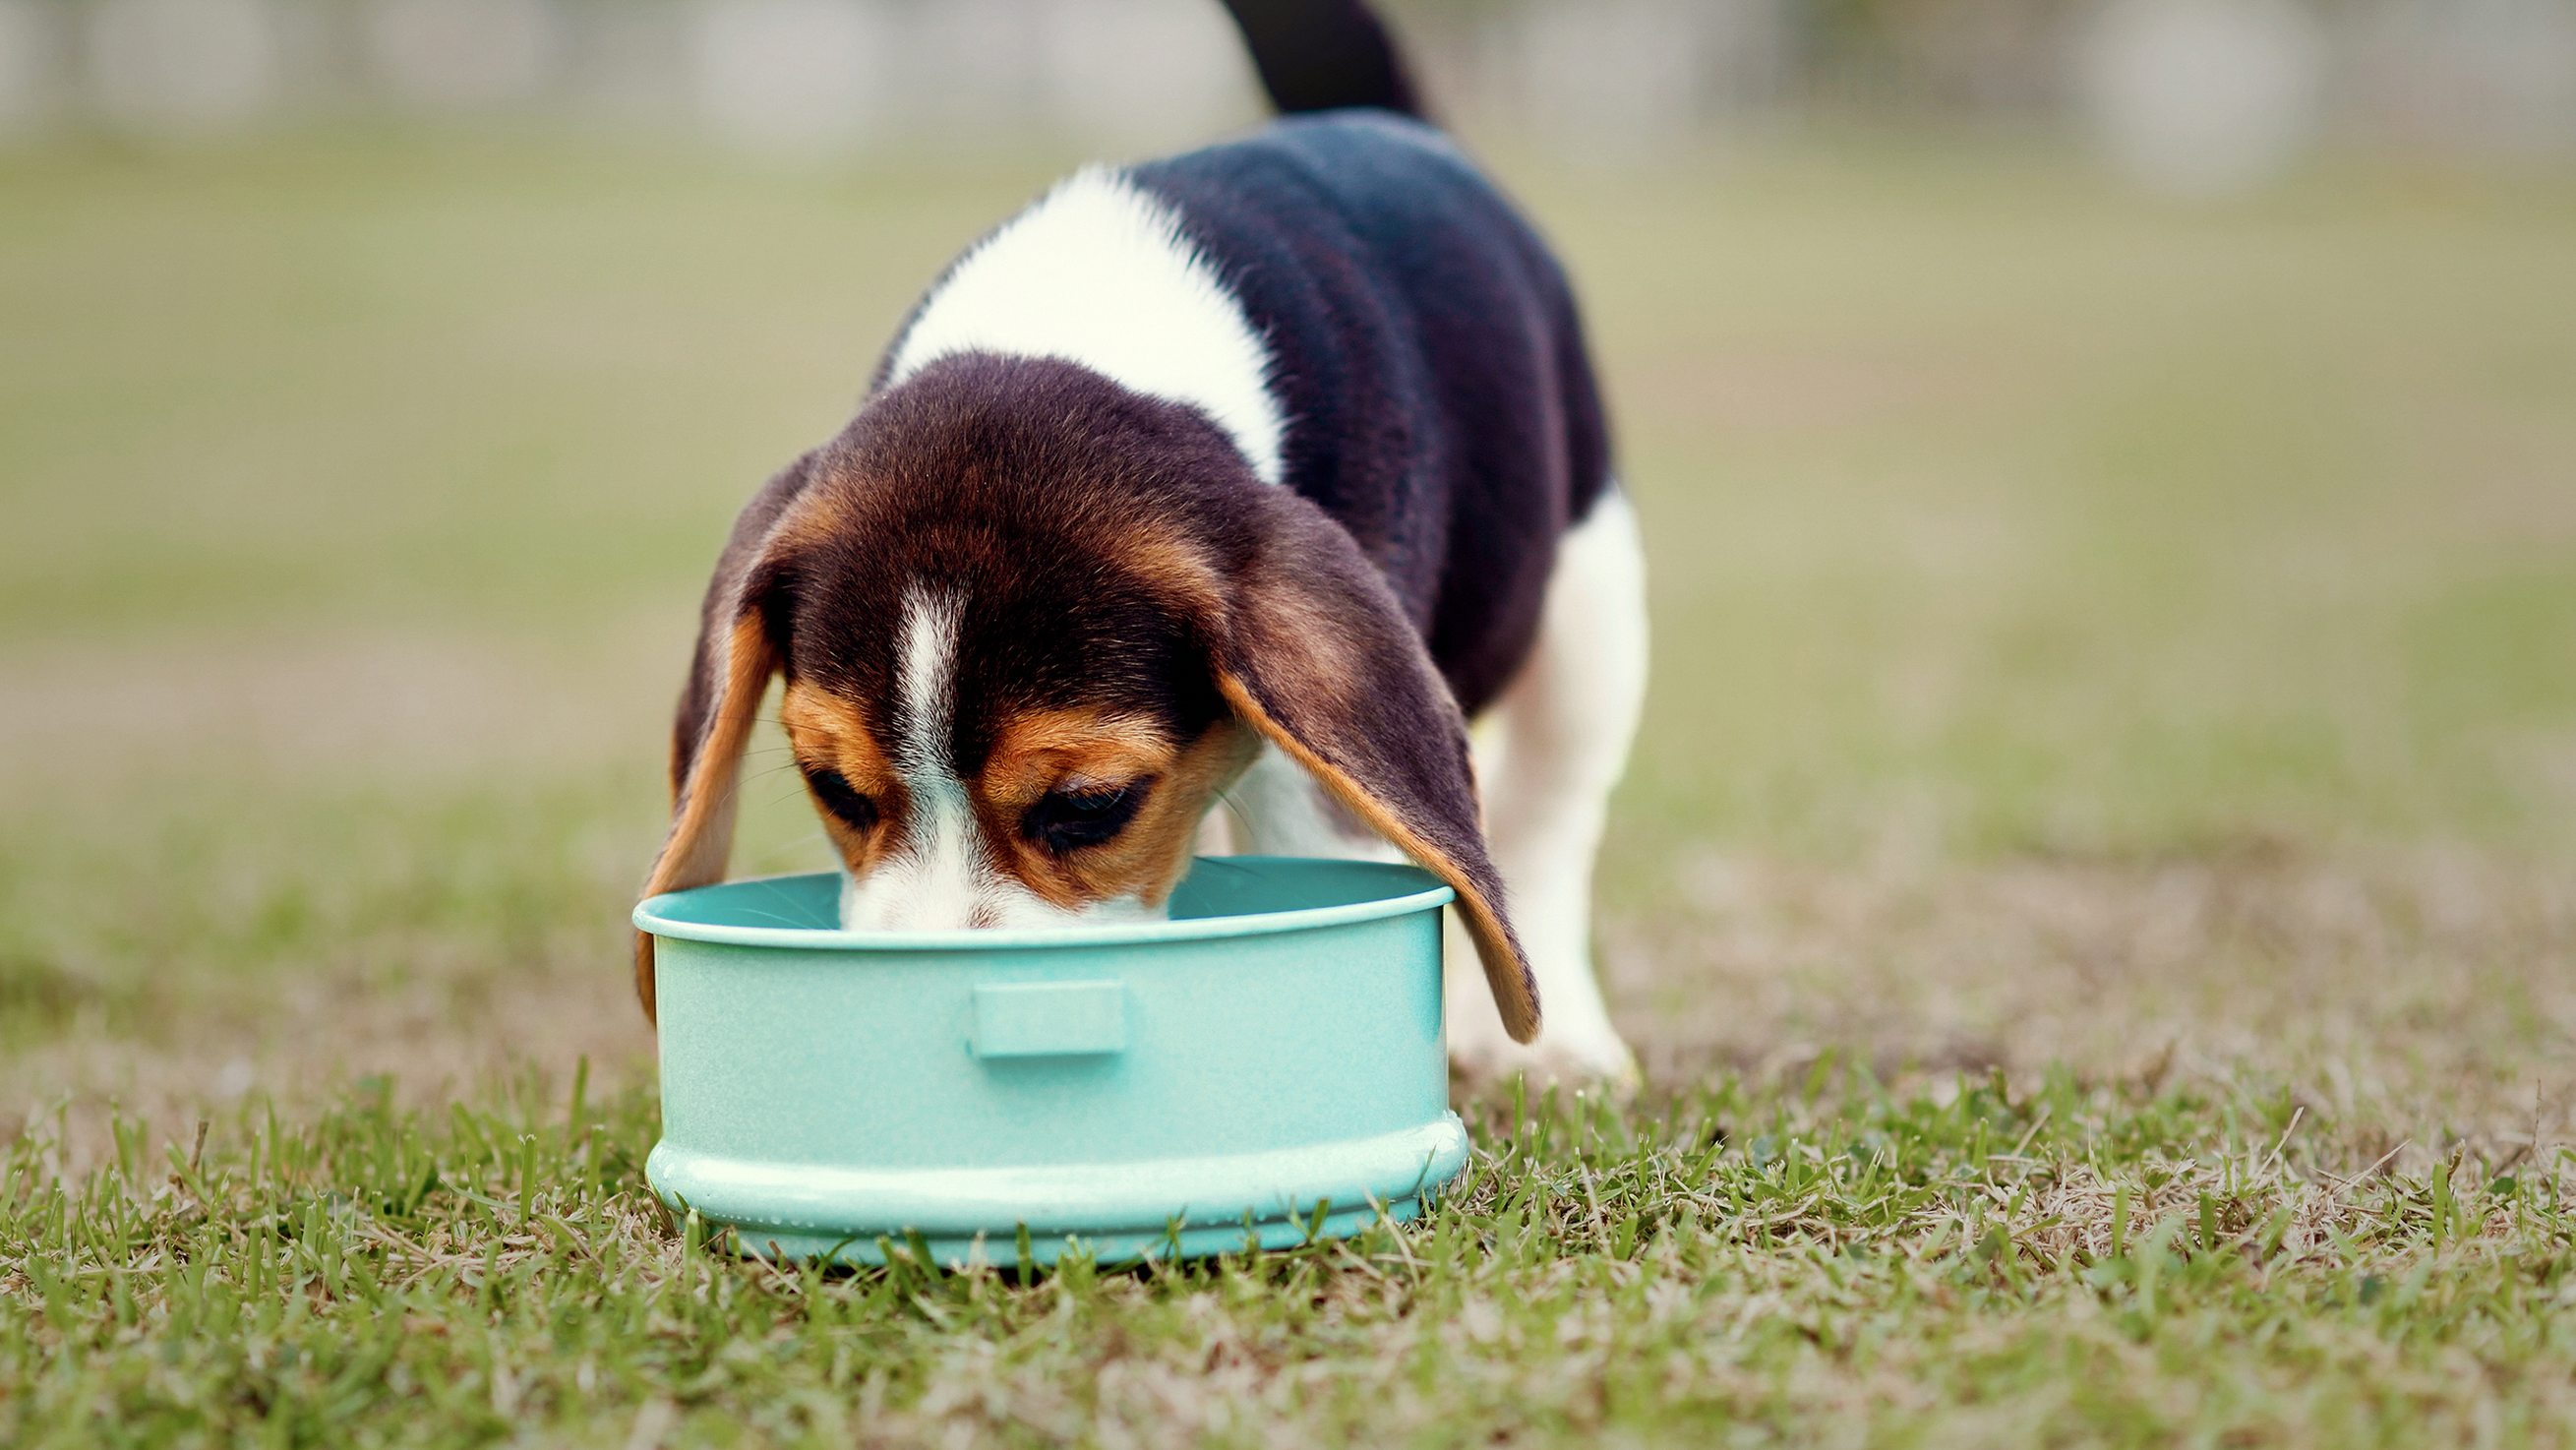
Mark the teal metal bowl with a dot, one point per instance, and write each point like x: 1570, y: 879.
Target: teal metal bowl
x: 1266, y: 1067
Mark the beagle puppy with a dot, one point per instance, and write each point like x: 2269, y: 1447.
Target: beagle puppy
x: 1246, y: 477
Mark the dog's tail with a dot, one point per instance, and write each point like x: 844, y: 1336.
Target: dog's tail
x: 1317, y: 55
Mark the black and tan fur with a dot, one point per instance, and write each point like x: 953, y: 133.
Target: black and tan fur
x: 1116, y: 611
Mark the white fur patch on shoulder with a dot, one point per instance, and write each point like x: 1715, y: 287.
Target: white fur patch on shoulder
x: 1098, y: 273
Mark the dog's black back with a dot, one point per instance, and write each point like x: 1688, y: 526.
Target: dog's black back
x: 1428, y: 358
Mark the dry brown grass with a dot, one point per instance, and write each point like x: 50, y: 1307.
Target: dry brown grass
x: 2424, y: 999
x: 252, y: 743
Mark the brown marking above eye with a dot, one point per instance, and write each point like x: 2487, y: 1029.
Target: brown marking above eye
x: 860, y: 798
x: 1093, y: 805
x: 1038, y: 751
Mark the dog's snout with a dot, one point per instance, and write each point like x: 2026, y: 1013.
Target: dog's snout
x: 903, y: 895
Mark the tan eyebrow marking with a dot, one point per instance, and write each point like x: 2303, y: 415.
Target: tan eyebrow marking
x: 829, y: 730
x: 1036, y: 750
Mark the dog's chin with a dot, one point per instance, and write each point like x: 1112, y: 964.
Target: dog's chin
x: 876, y: 903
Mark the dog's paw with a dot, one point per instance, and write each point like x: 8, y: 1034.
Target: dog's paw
x: 1572, y: 1060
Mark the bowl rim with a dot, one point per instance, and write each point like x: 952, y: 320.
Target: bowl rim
x: 649, y: 916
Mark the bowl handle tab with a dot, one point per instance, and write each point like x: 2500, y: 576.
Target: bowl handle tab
x: 1050, y: 1019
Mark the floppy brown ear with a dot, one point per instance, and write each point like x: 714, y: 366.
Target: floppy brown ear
x: 727, y: 677
x: 1317, y: 655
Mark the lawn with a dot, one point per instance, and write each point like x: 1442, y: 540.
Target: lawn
x: 2093, y: 897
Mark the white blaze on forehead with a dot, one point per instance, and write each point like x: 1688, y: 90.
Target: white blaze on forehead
x: 926, y: 680
x: 937, y: 879
x: 1099, y: 273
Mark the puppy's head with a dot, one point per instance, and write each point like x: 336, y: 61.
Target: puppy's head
x: 1030, y: 623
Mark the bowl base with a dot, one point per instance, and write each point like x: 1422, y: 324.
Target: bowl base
x: 984, y: 1250
x: 1116, y: 1212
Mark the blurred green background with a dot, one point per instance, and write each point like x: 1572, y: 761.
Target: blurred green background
x: 2109, y: 478
x: 360, y: 476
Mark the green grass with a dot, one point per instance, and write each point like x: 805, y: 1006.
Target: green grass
x: 1822, y: 1263
x: 2092, y: 895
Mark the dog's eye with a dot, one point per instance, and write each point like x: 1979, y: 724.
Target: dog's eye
x: 842, y: 799
x: 1067, y: 820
